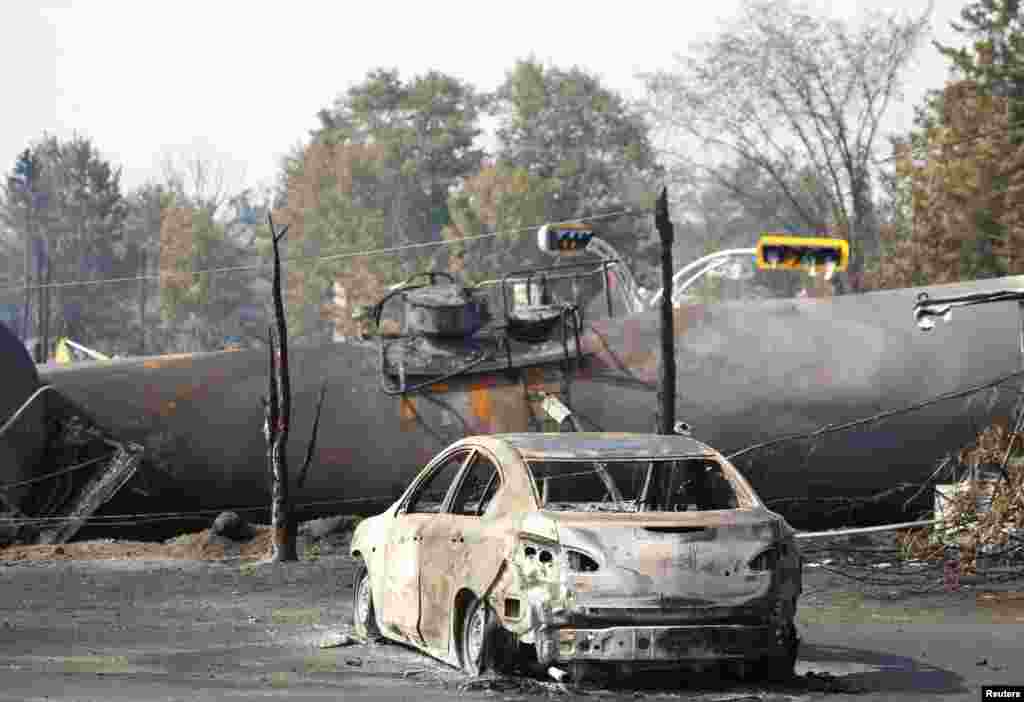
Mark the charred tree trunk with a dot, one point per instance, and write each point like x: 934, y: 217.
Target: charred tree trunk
x: 278, y: 418
x: 667, y: 391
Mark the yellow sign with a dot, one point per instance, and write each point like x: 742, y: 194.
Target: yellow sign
x: 63, y: 354
x: 806, y: 253
x: 564, y: 238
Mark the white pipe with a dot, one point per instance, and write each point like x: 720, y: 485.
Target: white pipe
x: 865, y: 530
x: 726, y: 253
x: 87, y: 351
x: 678, y: 291
x: 24, y: 406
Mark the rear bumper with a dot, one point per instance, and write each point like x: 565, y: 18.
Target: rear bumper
x: 660, y: 644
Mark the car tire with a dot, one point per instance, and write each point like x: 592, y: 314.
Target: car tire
x: 483, y: 643
x: 780, y: 667
x: 364, y: 617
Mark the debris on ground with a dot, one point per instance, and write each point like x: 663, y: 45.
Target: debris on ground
x: 1001, y: 607
x: 206, y: 545
x: 983, y: 516
x: 338, y: 640
x: 826, y: 682
x: 327, y: 526
x: 513, y: 685
x: 230, y: 525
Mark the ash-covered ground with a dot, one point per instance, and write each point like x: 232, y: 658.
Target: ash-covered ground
x: 202, y: 617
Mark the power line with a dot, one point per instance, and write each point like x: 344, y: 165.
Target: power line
x: 47, y: 476
x: 832, y: 428
x: 152, y: 517
x: 325, y: 257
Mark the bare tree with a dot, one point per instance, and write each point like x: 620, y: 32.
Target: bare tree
x: 277, y: 417
x: 198, y: 180
x: 798, y: 98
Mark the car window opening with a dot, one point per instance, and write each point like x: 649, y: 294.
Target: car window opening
x: 476, y: 494
x: 680, y: 485
x: 429, y: 497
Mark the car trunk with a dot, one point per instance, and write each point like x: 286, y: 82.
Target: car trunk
x: 664, y: 567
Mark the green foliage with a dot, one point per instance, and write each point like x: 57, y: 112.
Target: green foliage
x: 377, y: 174
x: 579, y: 149
x: 312, y: 552
x: 567, y: 126
x: 960, y: 168
x: 505, y: 199
x: 201, y: 307
x: 426, y: 128
x: 996, y: 57
x: 64, y: 195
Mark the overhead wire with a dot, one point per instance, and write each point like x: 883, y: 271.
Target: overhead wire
x: 151, y: 517
x: 320, y: 257
x: 832, y: 428
x: 55, y: 474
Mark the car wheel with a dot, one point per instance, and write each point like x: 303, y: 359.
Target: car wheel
x: 483, y: 643
x: 364, y: 618
x: 780, y: 667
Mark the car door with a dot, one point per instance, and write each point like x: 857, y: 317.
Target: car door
x: 399, y: 598
x: 447, y: 553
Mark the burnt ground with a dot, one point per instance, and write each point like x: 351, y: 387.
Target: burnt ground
x: 200, y: 618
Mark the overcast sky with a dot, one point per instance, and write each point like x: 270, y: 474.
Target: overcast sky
x: 242, y: 82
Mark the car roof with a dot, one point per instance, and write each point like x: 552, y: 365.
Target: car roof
x: 591, y: 445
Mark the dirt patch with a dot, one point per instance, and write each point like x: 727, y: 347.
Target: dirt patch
x: 199, y: 546
x: 259, y: 546
x: 1002, y: 607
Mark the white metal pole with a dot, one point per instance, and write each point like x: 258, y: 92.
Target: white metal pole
x: 726, y: 253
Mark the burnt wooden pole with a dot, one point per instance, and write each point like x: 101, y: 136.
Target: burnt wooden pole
x: 667, y: 384
x: 278, y: 418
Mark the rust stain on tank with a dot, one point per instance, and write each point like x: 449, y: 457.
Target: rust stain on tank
x: 480, y: 403
x: 170, y: 361
x: 686, y: 317
x: 406, y: 413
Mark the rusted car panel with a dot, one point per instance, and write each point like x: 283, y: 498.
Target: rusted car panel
x: 606, y: 445
x: 648, y: 576
x: 621, y: 579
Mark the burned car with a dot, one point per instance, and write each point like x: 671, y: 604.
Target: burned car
x: 582, y: 549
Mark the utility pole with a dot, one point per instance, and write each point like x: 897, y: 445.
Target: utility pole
x: 27, y: 311
x: 667, y: 391
x: 25, y: 170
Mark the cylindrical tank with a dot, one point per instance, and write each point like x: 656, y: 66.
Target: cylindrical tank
x: 747, y: 372
x: 23, y: 438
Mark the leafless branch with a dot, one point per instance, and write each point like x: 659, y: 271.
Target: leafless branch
x: 312, y: 440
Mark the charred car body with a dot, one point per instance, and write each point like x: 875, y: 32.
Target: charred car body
x: 630, y: 550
